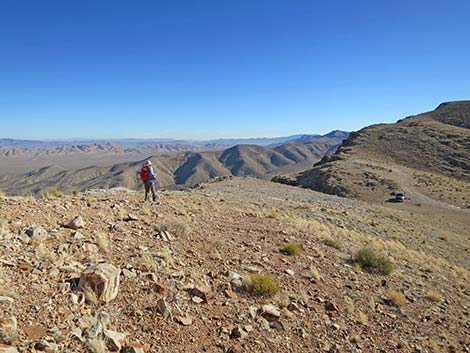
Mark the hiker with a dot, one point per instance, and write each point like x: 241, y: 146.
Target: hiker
x: 149, y: 178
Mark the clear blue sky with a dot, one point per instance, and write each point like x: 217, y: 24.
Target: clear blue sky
x: 225, y: 68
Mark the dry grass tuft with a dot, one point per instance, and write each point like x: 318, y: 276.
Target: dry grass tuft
x: 292, y: 248
x: 362, y: 318
x: 175, y: 227
x: 373, y: 262
x: 262, y: 284
x: 434, y: 296
x: 96, y: 346
x: 396, y: 297
x: 43, y: 253
x: 314, y: 274
x: 332, y: 243
x: 103, y: 242
x: 149, y: 262
x: 90, y: 295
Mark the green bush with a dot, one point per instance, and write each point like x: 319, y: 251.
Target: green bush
x: 262, y: 284
x: 370, y: 261
x: 54, y: 193
x: 292, y: 249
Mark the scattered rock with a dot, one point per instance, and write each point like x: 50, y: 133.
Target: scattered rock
x: 330, y: 306
x: 129, y: 274
x: 78, y: 236
x: 6, y: 300
x: 238, y: 332
x: 114, y: 340
x: 76, y: 223
x: 102, y: 279
x: 185, y: 321
x: 8, y: 330
x: 270, y: 312
x: 134, y: 347
x: 45, y: 346
x: 131, y: 217
x: 231, y: 294
x: 163, y: 309
x: 235, y: 280
x: 201, y: 292
x: 7, y: 349
x: 37, y: 233
x: 290, y: 272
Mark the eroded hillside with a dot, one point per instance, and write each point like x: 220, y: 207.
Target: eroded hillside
x: 427, y: 155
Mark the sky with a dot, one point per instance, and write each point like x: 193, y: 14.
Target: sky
x: 225, y: 68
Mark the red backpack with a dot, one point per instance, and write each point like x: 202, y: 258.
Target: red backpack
x: 144, y: 175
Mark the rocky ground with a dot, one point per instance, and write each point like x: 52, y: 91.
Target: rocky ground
x: 184, y: 266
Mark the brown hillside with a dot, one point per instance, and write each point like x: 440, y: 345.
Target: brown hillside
x: 427, y: 154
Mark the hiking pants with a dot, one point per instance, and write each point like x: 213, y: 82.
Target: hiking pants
x: 150, y: 186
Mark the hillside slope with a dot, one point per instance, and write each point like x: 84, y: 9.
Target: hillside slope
x: 427, y: 155
x: 186, y: 168
x: 180, y: 263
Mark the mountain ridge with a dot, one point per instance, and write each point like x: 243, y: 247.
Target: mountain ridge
x: 185, y: 168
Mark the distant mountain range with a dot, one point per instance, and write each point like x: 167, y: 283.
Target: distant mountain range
x: 182, y: 168
x: 128, y: 142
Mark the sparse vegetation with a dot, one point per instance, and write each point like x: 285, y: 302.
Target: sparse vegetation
x: 396, y: 297
x: 292, y: 249
x: 362, y: 318
x: 262, y: 284
x: 102, y: 241
x: 369, y: 260
x: 90, y: 295
x: 314, y: 274
x: 332, y: 243
x: 54, y: 192
x: 175, y: 227
x: 434, y: 296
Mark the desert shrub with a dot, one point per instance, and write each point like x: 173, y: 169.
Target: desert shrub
x: 373, y: 262
x: 396, y: 297
x: 175, y: 227
x: 333, y: 243
x: 292, y: 249
x: 434, y: 296
x: 75, y: 192
x: 54, y: 192
x: 262, y: 284
x: 102, y: 241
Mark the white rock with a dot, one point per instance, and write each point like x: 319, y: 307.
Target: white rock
x: 7, y: 349
x: 6, y: 300
x: 271, y: 312
x: 114, y: 340
x: 102, y: 279
x: 37, y: 233
x: 76, y: 223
